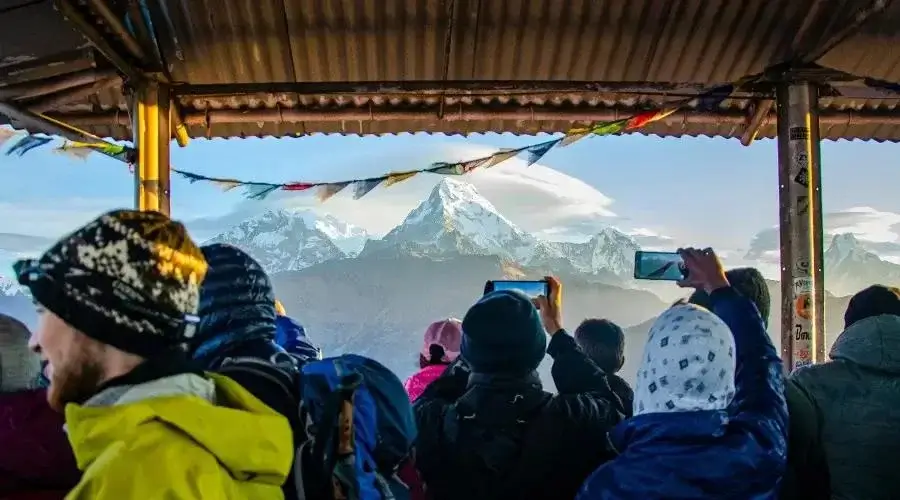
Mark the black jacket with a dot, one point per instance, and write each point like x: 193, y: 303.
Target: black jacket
x: 579, y: 373
x: 807, y: 474
x: 494, y: 437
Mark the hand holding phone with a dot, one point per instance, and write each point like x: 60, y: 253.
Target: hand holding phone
x: 550, y: 306
x: 659, y: 266
x: 706, y: 270
x: 533, y: 289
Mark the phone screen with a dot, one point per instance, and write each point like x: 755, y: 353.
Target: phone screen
x: 529, y: 288
x: 664, y: 266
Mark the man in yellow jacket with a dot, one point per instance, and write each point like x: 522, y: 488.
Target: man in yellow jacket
x: 117, y: 301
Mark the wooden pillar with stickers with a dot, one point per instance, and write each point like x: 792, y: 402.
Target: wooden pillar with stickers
x: 800, y: 200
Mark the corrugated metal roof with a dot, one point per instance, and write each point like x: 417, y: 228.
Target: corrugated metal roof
x: 699, y: 41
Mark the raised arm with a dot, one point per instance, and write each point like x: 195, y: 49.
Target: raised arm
x: 759, y: 402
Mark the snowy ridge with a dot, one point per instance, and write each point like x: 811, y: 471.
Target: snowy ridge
x: 849, y: 267
x: 453, y: 220
x: 456, y: 219
x: 289, y: 240
x: 9, y: 287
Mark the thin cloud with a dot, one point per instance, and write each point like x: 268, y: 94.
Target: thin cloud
x: 53, y: 218
x: 536, y: 198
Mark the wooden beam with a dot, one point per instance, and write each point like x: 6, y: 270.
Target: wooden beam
x: 137, y: 76
x: 463, y: 87
x: 469, y: 113
x: 58, y: 99
x: 52, y: 85
x: 72, y: 56
x: 71, y: 13
x: 759, y: 117
x: 118, y: 28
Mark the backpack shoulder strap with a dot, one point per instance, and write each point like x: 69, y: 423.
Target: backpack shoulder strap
x: 279, y: 372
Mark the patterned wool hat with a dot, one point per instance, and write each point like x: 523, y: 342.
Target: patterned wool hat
x: 688, y: 363
x: 129, y: 279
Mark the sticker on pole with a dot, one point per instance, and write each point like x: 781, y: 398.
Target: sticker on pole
x: 803, y: 306
x: 799, y: 133
x: 802, y: 285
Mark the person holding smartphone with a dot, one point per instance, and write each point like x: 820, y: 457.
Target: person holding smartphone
x: 710, y: 418
x: 488, y: 430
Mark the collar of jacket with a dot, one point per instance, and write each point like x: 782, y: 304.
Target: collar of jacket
x: 528, y: 381
x: 150, y: 370
x: 184, y: 384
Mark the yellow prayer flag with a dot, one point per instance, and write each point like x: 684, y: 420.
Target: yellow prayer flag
x: 398, y: 177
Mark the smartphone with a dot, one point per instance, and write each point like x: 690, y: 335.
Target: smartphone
x: 530, y: 288
x: 662, y: 266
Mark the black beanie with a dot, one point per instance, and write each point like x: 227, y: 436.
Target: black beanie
x: 503, y: 334
x: 873, y: 301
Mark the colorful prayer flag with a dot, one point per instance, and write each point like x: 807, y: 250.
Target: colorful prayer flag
x: 398, y: 177
x: 26, y: 144
x: 536, y: 152
x: 501, y: 156
x: 329, y: 190
x: 260, y: 191
x: 7, y: 134
x: 363, y: 187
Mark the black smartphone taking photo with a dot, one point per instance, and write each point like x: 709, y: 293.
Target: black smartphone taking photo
x: 660, y: 266
x: 532, y: 289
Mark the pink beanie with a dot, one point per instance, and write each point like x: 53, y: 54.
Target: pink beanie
x: 445, y: 333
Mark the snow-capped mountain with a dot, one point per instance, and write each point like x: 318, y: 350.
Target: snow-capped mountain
x: 288, y: 240
x: 456, y: 219
x: 610, y: 251
x: 9, y: 287
x: 849, y: 267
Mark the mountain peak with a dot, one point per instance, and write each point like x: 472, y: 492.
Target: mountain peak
x: 843, y: 246
x: 456, y: 218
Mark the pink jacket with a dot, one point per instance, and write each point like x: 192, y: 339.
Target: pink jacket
x: 416, y: 384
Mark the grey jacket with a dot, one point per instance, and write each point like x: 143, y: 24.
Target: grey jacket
x: 858, y: 394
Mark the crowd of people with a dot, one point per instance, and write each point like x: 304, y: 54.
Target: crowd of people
x: 160, y: 369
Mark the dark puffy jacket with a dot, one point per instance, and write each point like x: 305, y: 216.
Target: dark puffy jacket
x: 36, y: 461
x: 237, y: 320
x: 539, y: 445
x: 858, y: 395
x: 807, y: 476
x: 738, y: 453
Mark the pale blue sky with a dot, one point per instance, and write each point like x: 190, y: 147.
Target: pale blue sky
x: 693, y: 189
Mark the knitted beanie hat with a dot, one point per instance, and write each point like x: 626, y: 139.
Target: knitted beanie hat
x: 503, y: 334
x: 129, y: 279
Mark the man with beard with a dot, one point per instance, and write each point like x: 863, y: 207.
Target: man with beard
x: 117, y: 301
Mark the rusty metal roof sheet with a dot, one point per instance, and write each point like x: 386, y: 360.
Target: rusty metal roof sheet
x: 680, y: 41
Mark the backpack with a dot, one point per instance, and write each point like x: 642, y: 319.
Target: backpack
x: 489, y: 446
x: 359, y: 428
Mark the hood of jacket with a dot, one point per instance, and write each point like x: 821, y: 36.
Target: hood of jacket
x: 659, y: 455
x: 872, y: 343
x: 237, y: 303
x: 416, y: 384
x: 247, y: 438
x: 291, y: 336
x: 35, y: 455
